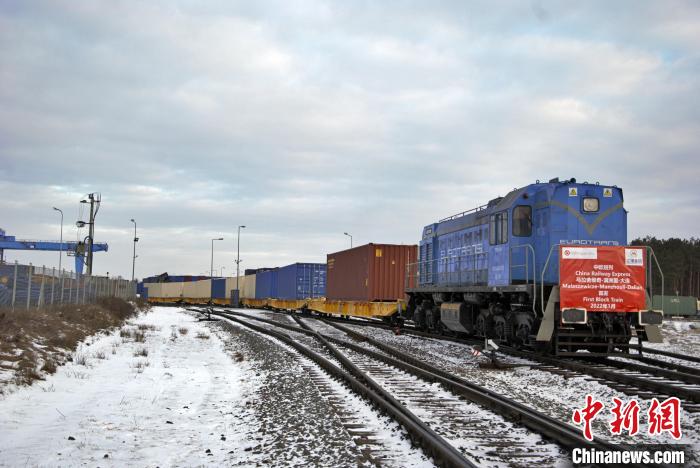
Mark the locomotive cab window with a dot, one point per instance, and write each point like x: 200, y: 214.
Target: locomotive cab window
x: 522, y: 221
x: 590, y: 204
x: 498, y: 228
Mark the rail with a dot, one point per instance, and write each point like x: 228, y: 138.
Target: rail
x: 470, y: 269
x: 634, y: 382
x: 651, y: 278
x: 463, y: 213
x: 444, y: 453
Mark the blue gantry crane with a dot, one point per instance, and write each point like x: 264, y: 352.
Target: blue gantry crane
x: 77, y: 249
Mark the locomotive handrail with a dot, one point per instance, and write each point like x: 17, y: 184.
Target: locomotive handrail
x: 527, y: 272
x: 661, y: 273
x: 459, y: 215
x: 446, y: 275
x: 544, y: 269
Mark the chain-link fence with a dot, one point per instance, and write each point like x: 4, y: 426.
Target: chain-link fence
x: 25, y: 286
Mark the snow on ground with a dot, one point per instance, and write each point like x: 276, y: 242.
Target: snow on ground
x: 680, y: 336
x: 192, y: 394
x: 163, y: 409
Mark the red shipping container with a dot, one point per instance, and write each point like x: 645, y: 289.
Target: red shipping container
x: 372, y: 272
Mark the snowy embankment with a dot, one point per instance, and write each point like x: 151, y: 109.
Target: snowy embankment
x: 166, y: 400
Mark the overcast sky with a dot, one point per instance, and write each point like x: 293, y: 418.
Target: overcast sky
x: 305, y: 119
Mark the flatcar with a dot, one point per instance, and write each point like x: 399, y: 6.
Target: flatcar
x: 489, y: 271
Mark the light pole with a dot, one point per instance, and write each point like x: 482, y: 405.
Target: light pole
x: 133, y: 262
x: 350, y: 236
x: 238, y: 257
x: 60, y: 249
x: 211, y: 271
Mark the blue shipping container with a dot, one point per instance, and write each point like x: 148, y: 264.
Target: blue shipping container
x: 301, y: 281
x: 266, y: 284
x: 218, y: 288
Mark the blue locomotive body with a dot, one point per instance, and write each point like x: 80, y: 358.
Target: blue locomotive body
x: 507, y: 241
x: 491, y: 270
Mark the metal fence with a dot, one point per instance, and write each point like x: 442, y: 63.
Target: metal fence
x: 25, y: 286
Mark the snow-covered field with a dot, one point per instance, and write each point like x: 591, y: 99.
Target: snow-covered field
x: 215, y: 394
x: 170, y: 407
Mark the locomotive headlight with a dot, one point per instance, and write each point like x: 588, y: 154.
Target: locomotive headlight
x: 590, y: 204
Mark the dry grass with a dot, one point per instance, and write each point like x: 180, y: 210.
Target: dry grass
x: 183, y: 330
x: 140, y: 365
x: 49, y: 366
x: 202, y: 336
x: 139, y: 336
x: 80, y: 359
x: 57, y: 330
x: 141, y: 352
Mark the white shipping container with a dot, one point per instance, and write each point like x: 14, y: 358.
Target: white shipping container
x: 154, y: 289
x: 171, y: 290
x: 246, y: 286
x: 197, y: 289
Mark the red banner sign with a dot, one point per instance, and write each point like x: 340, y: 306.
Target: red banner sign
x: 602, y: 279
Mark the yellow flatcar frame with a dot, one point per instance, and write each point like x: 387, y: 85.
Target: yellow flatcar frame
x: 320, y: 305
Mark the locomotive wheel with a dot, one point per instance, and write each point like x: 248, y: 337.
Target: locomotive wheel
x: 419, y: 318
x: 522, y: 328
x: 499, y: 327
x: 429, y: 319
x: 483, y: 323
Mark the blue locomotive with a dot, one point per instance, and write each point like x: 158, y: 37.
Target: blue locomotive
x: 493, y: 271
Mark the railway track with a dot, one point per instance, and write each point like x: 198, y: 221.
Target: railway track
x: 463, y: 424
x: 656, y: 379
x: 665, y: 364
x: 409, y: 383
x: 435, y: 446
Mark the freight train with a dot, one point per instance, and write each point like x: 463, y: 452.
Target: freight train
x: 491, y: 272
x: 481, y: 271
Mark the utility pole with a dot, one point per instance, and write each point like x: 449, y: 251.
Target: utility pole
x: 60, y: 249
x: 238, y: 257
x: 95, y: 199
x: 91, y: 229
x: 350, y: 236
x: 133, y: 262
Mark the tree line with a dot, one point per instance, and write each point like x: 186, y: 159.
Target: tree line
x: 680, y: 263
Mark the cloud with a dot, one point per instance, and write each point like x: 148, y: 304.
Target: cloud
x: 303, y: 120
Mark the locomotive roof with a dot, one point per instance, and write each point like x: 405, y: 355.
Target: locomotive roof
x: 479, y: 215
